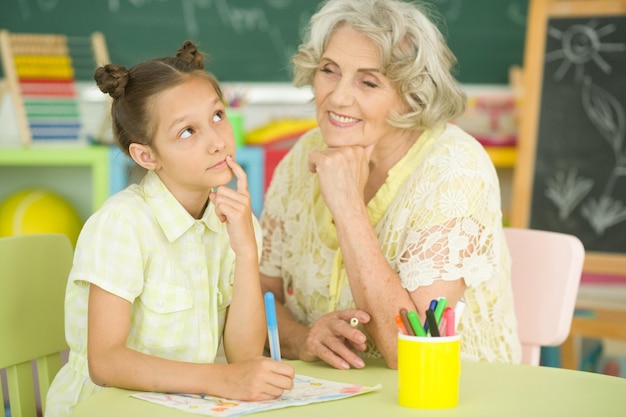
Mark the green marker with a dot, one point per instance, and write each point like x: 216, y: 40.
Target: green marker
x: 442, y: 303
x: 415, y: 323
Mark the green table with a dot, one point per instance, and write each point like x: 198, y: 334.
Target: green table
x: 486, y: 390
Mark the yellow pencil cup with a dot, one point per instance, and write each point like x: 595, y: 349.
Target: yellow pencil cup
x: 429, y: 369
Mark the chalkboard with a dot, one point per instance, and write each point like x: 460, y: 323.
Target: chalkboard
x: 571, y: 174
x: 253, y: 40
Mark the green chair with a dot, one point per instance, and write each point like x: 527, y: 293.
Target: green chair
x: 33, y: 275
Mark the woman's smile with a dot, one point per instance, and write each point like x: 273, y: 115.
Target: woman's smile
x: 339, y: 120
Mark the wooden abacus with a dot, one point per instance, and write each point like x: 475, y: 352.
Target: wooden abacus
x: 41, y: 72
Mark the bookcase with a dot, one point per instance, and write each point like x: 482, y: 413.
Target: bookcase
x: 85, y: 176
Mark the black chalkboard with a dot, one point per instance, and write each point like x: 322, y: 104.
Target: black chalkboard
x: 580, y: 166
x: 252, y: 40
x: 570, y: 175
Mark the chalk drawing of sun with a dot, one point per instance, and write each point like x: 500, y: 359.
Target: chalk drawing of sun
x: 581, y: 44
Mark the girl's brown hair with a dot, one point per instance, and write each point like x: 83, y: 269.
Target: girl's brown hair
x: 132, y: 118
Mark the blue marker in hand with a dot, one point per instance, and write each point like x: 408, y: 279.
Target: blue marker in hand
x: 272, y: 326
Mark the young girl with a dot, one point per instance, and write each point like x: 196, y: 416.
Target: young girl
x: 168, y: 268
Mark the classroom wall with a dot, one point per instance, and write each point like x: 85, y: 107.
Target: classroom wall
x: 249, y: 42
x: 253, y: 40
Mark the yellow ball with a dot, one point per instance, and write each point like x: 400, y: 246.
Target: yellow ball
x: 35, y: 211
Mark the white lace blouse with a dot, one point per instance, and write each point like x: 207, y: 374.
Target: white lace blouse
x: 437, y: 217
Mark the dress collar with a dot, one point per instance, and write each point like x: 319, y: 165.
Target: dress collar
x: 172, y: 217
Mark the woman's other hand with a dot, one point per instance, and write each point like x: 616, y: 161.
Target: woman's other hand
x: 333, y: 340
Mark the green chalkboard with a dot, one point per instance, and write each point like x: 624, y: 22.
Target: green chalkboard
x: 252, y: 40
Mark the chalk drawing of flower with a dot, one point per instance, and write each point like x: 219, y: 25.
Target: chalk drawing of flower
x: 603, y: 213
x: 581, y: 44
x: 566, y: 190
x: 607, y: 114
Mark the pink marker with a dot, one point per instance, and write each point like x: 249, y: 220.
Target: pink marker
x: 448, y: 316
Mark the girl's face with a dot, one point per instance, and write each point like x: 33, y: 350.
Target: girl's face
x: 193, y: 137
x: 353, y: 98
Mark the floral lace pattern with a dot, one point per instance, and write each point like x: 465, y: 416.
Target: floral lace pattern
x: 443, y: 223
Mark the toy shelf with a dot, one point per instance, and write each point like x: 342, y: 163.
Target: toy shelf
x: 87, y: 176
x: 83, y: 175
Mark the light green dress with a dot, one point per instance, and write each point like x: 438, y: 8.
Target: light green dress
x: 176, y: 272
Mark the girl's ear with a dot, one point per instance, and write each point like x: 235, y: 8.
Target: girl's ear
x: 143, y: 155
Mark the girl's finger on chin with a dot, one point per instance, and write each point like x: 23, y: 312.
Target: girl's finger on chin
x: 234, y: 165
x: 240, y: 174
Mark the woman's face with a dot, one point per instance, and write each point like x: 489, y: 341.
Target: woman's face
x: 352, y: 96
x: 193, y: 137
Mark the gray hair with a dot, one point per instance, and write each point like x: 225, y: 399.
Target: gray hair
x: 414, y: 55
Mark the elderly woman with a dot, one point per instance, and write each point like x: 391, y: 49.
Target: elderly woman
x: 386, y: 205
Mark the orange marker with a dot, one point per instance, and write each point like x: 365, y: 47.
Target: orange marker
x: 400, y: 324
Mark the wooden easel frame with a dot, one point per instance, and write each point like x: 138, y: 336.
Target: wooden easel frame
x: 540, y: 11
x: 101, y: 57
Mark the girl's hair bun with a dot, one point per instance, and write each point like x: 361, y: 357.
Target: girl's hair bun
x: 190, y: 54
x: 112, y: 79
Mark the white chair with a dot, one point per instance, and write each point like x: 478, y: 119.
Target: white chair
x: 545, y: 274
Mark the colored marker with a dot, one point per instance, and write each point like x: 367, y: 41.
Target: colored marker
x: 458, y: 310
x: 272, y: 326
x: 448, y: 317
x: 415, y: 324
x: 407, y: 323
x: 442, y: 303
x: 400, y: 324
x: 432, y: 323
x: 432, y: 306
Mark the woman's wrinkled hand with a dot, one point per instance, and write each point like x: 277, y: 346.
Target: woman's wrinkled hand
x: 342, y: 174
x: 333, y: 340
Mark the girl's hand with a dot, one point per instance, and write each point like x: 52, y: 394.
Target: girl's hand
x: 233, y: 207
x: 257, y: 379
